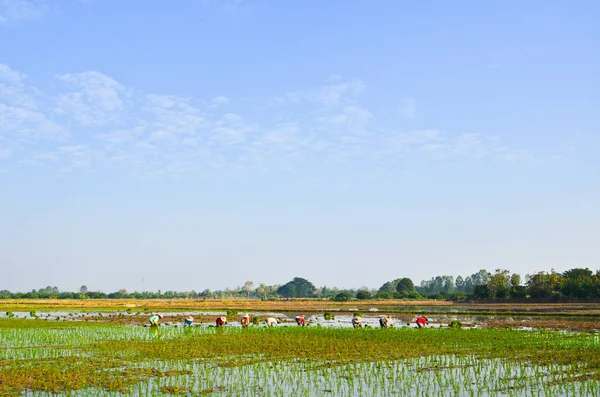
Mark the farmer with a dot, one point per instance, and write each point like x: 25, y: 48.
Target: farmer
x: 422, y: 321
x: 301, y: 321
x: 356, y: 321
x: 245, y: 321
x: 385, y: 322
x: 155, y: 319
x: 272, y: 321
x: 221, y: 321
x: 188, y: 321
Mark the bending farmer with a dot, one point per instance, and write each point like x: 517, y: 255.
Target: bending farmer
x: 422, y: 321
x: 155, y: 319
x: 245, y: 321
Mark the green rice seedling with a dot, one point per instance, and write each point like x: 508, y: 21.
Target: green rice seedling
x: 90, y: 359
x: 455, y: 324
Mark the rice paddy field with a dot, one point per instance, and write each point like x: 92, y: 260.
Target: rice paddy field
x: 76, y: 353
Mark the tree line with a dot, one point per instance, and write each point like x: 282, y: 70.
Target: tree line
x: 501, y: 285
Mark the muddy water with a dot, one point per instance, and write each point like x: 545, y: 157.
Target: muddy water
x: 342, y: 319
x: 207, y: 318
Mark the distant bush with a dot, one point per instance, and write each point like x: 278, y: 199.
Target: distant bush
x: 342, y: 297
x: 414, y: 295
x: 363, y: 294
x: 383, y: 295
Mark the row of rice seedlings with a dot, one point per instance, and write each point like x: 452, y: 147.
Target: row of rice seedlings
x: 360, y: 379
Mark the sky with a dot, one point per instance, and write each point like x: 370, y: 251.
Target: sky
x: 159, y: 145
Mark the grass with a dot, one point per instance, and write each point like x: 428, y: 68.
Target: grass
x: 88, y: 358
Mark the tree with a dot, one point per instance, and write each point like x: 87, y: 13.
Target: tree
x: 405, y: 286
x: 481, y: 292
x: 468, y: 285
x: 83, y: 289
x: 264, y: 290
x: 515, y: 280
x: 248, y: 287
x: 448, y: 284
x: 579, y: 283
x: 480, y: 278
x: 544, y: 285
x: 499, y: 283
x: 390, y: 286
x: 297, y: 288
x: 363, y: 294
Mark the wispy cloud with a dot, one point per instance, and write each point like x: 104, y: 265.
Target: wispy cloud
x: 94, y: 98
x: 16, y: 11
x: 331, y: 95
x: 10, y: 76
x: 94, y: 121
x: 470, y: 145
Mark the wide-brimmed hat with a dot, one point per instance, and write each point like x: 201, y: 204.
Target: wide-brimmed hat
x: 189, y: 318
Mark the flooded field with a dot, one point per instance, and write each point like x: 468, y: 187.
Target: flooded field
x: 523, y: 350
x: 46, y: 357
x: 336, y: 318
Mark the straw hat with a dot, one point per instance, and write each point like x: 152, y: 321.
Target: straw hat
x: 189, y: 318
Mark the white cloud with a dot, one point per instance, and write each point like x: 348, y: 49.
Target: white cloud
x: 10, y: 76
x: 329, y: 96
x: 357, y: 117
x: 13, y: 89
x: 335, y: 94
x: 96, y: 99
x: 160, y: 135
x: 46, y: 156
x: 172, y: 115
x: 471, y: 145
x: 15, y: 11
x: 219, y: 101
x: 281, y: 134
x: 29, y: 124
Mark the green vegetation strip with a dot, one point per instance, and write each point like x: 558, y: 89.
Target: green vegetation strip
x: 63, y: 357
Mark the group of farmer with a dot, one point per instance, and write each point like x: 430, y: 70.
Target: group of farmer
x: 384, y: 322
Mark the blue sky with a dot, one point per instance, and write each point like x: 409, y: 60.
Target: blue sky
x: 201, y: 144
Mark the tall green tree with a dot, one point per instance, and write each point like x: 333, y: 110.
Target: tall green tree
x: 405, y: 286
x: 297, y: 288
x: 499, y: 284
x: 544, y: 285
x: 579, y: 283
